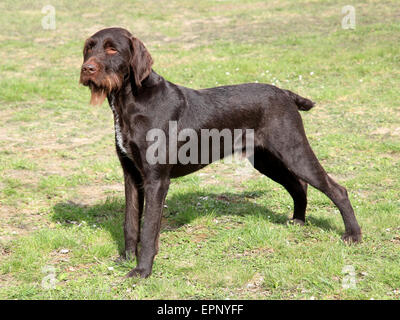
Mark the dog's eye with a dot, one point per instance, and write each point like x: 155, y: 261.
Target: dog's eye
x: 87, y: 50
x: 111, y: 51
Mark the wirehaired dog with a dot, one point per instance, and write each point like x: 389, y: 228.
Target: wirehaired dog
x: 118, y: 67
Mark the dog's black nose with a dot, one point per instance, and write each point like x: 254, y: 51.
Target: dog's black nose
x: 89, y: 68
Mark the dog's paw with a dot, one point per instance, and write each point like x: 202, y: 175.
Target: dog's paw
x: 352, y: 237
x: 296, y: 222
x: 138, y: 272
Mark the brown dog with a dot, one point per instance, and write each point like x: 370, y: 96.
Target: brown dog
x: 118, y: 66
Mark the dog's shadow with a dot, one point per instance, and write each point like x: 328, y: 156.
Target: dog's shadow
x: 180, y: 209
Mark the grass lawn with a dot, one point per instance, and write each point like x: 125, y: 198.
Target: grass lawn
x: 224, y: 232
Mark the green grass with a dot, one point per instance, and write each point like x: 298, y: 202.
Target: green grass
x: 224, y: 232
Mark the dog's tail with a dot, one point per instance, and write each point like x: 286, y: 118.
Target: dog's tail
x: 302, y: 103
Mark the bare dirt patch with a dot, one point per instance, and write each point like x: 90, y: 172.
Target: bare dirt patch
x: 91, y: 194
x: 387, y: 131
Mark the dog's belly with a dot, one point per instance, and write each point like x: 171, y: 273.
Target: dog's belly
x: 180, y: 170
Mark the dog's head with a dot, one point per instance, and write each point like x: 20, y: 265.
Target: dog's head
x: 110, y: 57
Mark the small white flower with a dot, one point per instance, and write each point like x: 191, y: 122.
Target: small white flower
x: 227, y: 73
x: 110, y: 268
x: 300, y: 77
x: 311, y: 73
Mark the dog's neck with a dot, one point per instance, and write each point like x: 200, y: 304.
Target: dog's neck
x: 130, y: 100
x: 130, y: 95
x: 117, y: 125
x: 152, y: 80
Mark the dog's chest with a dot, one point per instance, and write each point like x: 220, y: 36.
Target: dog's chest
x: 118, y: 133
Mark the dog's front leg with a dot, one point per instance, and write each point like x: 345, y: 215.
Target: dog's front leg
x: 155, y: 193
x: 134, y: 200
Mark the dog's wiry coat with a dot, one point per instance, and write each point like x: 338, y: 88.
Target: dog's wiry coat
x: 142, y: 100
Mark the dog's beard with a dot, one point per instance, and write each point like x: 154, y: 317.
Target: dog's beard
x: 100, y: 89
x: 98, y: 95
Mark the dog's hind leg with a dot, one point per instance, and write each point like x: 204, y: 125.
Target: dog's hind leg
x: 269, y: 165
x: 286, y: 139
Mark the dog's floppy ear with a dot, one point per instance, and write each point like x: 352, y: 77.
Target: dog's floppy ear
x: 141, y: 61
